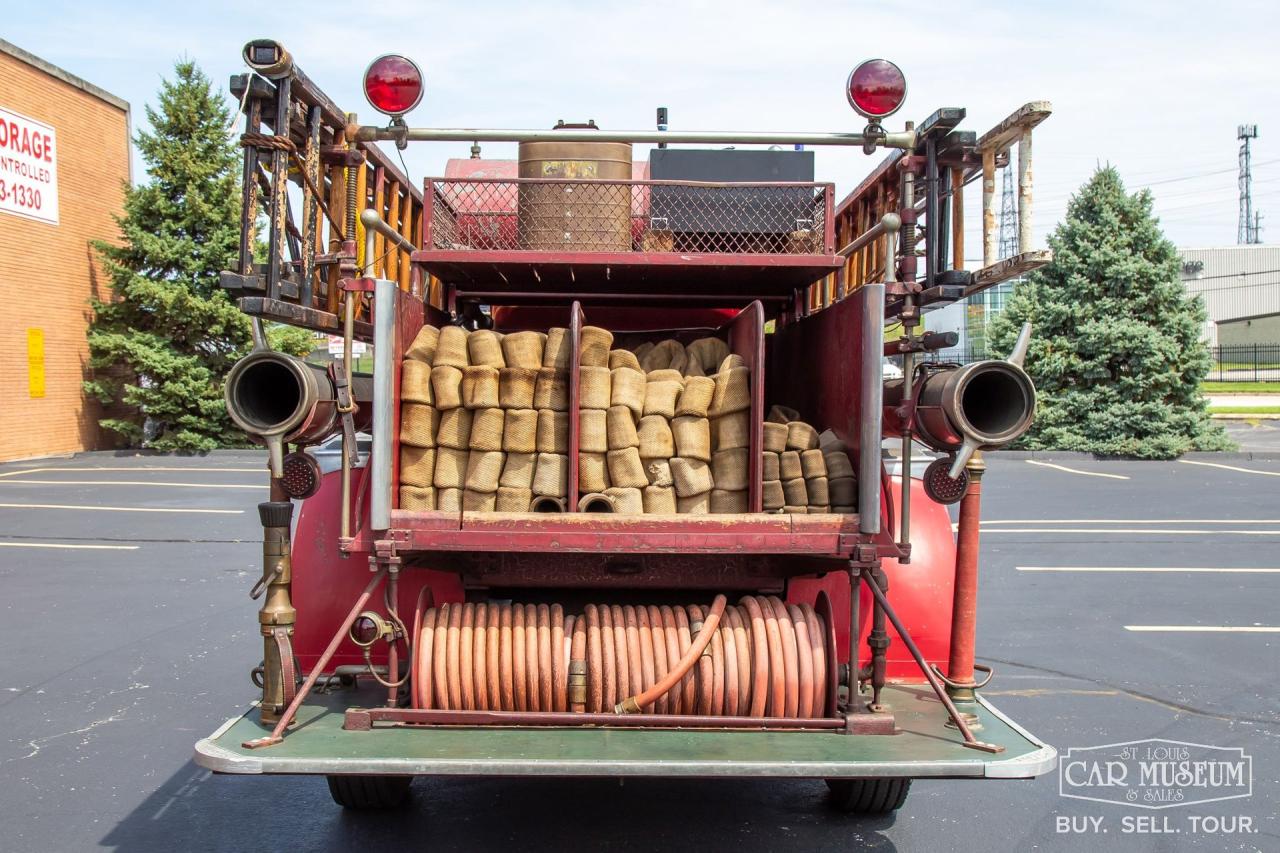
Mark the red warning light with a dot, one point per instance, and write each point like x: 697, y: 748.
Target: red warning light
x: 393, y: 84
x: 877, y: 88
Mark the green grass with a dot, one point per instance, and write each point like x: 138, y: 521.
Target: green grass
x: 1240, y: 387
x: 1244, y: 410
x: 1244, y: 365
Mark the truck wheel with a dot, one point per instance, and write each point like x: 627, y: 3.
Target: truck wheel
x: 868, y: 796
x: 369, y: 792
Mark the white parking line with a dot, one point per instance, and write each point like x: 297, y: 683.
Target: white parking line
x: 69, y: 546
x: 258, y: 486
x: 1230, y: 468
x: 1076, y: 470
x: 124, y: 508
x: 134, y: 468
x: 1206, y: 629
x: 1175, y: 569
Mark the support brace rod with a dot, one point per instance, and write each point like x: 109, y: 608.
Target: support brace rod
x: 969, y: 740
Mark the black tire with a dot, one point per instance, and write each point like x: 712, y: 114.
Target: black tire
x: 369, y: 792
x: 868, y: 796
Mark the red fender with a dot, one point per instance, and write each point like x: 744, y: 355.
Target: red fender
x: 920, y: 591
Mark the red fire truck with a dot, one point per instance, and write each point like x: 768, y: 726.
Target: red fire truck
x: 638, y: 499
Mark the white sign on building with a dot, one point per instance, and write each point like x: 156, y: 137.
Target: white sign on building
x: 28, y: 168
x: 335, y: 347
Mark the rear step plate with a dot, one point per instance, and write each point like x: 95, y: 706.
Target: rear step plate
x: 923, y: 747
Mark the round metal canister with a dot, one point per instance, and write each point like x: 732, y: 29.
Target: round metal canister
x: 581, y: 201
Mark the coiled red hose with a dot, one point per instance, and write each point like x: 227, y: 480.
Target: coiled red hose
x: 760, y: 658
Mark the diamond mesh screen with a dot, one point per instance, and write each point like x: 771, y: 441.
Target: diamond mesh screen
x: 534, y: 214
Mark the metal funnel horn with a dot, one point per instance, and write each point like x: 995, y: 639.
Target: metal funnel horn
x: 276, y: 398
x: 961, y: 410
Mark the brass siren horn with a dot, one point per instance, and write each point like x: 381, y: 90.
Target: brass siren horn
x: 960, y: 410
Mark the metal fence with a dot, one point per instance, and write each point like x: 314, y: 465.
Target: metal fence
x: 536, y: 214
x: 1245, y: 363
x: 1233, y: 363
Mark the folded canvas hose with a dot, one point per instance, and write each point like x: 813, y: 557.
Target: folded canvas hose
x: 760, y: 658
x: 480, y: 387
x: 423, y: 347
x: 551, y: 390
x: 624, y: 358
x: 417, y: 497
x: 516, y: 386
x: 556, y: 350
x: 523, y: 349
x: 595, y: 344
x: 446, y: 386
x: 451, y: 348
x: 484, y: 348
x: 487, y: 428
x: 415, y: 382
x: 417, y: 466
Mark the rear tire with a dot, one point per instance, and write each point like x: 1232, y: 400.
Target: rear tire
x: 868, y: 796
x: 369, y: 792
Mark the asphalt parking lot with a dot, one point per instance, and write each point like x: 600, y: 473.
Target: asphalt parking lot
x: 1119, y: 601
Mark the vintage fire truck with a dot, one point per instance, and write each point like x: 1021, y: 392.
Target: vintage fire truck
x: 638, y: 499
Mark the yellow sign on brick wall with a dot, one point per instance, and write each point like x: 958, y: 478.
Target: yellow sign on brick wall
x: 35, y: 362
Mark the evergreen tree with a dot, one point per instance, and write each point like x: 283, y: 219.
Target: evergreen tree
x: 165, y: 341
x: 1115, y: 352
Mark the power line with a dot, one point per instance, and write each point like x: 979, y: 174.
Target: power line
x: 1237, y: 275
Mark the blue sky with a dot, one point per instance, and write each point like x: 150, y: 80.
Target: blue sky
x: 1155, y: 88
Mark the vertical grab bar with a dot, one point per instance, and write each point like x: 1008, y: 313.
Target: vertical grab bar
x: 871, y: 405
x: 384, y: 328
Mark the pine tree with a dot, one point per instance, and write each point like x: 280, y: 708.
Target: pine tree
x: 165, y: 341
x: 1116, y: 353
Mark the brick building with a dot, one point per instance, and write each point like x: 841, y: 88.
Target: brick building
x: 64, y: 162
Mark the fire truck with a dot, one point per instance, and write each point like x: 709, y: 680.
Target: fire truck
x: 627, y: 492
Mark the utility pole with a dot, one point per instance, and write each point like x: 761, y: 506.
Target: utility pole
x: 1248, y: 223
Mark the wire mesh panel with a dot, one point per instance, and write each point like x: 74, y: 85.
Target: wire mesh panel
x: 535, y: 214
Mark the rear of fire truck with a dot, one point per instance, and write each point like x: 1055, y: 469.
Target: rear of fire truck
x: 626, y: 509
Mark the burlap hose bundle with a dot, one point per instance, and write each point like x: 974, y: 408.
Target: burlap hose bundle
x: 802, y: 471
x: 692, y: 427
x: 663, y: 429
x: 419, y: 422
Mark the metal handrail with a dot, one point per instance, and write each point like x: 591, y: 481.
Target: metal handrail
x: 888, y: 223
x: 402, y: 134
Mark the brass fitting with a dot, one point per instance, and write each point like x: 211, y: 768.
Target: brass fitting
x: 577, y: 682
x: 277, y: 612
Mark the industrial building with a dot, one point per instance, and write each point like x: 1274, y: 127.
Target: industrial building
x: 64, y: 164
x: 1240, y: 286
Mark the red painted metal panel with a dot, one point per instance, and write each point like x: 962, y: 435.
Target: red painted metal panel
x: 757, y: 533
x: 326, y: 581
x: 814, y: 366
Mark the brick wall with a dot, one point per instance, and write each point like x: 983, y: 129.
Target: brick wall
x: 48, y: 272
